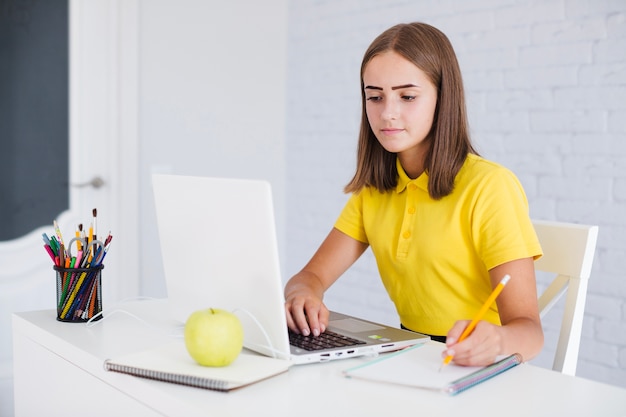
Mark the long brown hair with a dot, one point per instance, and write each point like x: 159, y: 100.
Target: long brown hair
x: 430, y: 50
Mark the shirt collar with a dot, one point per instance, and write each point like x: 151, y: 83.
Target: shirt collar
x: 404, y: 180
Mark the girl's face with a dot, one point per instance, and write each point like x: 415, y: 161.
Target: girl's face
x: 400, y: 105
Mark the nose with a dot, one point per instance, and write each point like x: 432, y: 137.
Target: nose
x: 390, y: 111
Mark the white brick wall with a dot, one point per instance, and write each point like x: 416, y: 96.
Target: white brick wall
x: 546, y: 85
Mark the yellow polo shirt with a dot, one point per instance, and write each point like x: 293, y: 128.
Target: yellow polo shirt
x: 434, y: 255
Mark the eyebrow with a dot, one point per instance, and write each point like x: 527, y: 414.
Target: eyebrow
x: 397, y: 87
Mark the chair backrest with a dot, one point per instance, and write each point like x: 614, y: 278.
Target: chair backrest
x: 568, y: 252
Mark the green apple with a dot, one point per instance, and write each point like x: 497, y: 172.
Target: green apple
x: 213, y: 337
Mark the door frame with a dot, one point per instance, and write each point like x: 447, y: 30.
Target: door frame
x: 104, y: 134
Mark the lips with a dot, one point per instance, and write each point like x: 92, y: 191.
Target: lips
x: 391, y: 131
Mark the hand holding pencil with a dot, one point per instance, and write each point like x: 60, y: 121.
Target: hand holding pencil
x: 468, y: 330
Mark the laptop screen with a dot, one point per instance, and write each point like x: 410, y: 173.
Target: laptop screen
x: 219, y: 250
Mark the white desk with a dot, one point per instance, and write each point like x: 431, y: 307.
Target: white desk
x: 59, y: 370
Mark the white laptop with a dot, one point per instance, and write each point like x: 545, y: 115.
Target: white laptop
x: 219, y: 249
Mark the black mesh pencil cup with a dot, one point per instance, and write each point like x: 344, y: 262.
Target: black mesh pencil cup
x: 79, y: 293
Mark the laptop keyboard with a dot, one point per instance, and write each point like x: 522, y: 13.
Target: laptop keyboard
x: 326, y: 340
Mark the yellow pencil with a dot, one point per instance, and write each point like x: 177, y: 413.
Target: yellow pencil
x: 90, y: 239
x: 479, y: 316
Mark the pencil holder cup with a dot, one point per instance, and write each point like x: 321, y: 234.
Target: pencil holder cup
x: 79, y: 293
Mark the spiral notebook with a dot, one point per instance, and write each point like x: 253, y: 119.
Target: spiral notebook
x: 172, y: 363
x: 419, y: 367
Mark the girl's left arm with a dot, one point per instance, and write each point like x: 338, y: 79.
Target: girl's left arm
x: 521, y: 330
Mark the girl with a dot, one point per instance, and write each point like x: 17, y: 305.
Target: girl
x: 444, y: 224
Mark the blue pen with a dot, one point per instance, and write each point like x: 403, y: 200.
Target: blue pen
x: 99, y: 257
x: 103, y: 255
x: 83, y: 292
x: 70, y: 312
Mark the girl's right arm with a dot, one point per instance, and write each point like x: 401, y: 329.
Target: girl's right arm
x: 304, y: 292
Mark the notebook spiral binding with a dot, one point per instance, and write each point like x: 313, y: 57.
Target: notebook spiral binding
x: 192, y: 381
x: 476, y: 378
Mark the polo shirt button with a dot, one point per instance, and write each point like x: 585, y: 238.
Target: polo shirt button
x: 412, y: 187
x: 411, y: 210
x: 406, y: 234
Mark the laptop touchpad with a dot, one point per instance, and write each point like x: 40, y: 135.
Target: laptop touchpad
x: 354, y: 326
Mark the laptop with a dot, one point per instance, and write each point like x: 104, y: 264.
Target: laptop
x: 219, y: 250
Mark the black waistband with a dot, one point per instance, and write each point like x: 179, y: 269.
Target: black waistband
x: 441, y: 339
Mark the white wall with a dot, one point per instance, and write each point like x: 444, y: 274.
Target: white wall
x: 211, y: 101
x: 546, y: 84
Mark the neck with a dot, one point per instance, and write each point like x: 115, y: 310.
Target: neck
x: 413, y: 166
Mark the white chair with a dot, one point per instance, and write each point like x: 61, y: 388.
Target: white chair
x: 568, y: 252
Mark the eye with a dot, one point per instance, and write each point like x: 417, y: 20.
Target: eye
x: 408, y: 98
x: 374, y: 98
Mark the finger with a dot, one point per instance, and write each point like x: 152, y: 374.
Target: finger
x: 455, y: 332
x: 290, y: 321
x: 317, y: 317
x: 297, y: 317
x: 480, y: 348
x: 459, y: 350
x: 324, y: 317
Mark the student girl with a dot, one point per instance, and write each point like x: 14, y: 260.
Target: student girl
x: 444, y: 224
